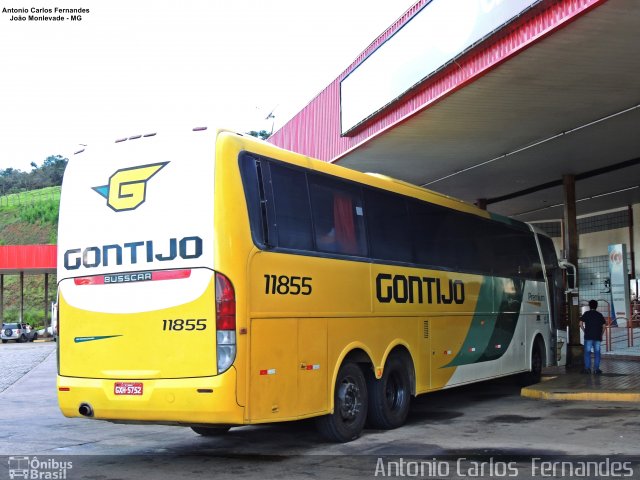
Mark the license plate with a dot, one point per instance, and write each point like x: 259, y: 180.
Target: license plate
x: 127, y: 388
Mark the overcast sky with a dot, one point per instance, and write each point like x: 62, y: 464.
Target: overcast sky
x: 131, y: 67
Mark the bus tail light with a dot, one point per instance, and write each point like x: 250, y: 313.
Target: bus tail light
x: 225, y: 323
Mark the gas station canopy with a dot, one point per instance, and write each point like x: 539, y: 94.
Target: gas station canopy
x: 553, y: 91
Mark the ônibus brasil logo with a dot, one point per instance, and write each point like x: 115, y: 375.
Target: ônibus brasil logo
x: 127, y: 188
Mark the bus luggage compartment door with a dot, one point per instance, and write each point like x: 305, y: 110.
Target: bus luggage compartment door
x: 273, y: 376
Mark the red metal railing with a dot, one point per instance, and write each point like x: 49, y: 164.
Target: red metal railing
x: 631, y: 329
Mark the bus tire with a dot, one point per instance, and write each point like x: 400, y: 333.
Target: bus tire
x: 210, y: 431
x: 534, y: 375
x: 390, y: 397
x: 350, y: 406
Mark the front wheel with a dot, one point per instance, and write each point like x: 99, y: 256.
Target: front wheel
x: 389, y: 397
x: 534, y: 375
x: 210, y: 431
x: 350, y: 405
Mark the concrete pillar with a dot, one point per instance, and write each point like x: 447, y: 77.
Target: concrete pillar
x: 21, y: 297
x: 46, y: 304
x: 633, y: 240
x: 636, y: 235
x: 570, y: 240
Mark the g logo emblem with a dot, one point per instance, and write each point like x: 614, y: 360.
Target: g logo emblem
x: 127, y: 188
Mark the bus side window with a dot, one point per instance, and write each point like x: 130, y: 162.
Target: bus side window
x: 292, y: 210
x: 388, y: 226
x: 253, y: 182
x: 515, y: 253
x: 337, y: 217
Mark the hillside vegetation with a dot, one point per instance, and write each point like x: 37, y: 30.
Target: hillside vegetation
x: 31, y: 217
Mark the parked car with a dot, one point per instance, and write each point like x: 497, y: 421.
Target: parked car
x: 20, y: 332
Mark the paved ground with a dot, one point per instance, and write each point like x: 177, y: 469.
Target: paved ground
x: 16, y: 359
x: 484, y: 423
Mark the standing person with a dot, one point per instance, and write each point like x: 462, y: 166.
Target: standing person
x: 593, y: 323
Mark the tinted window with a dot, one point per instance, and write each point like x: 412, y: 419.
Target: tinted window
x: 337, y: 216
x: 292, y: 222
x: 251, y: 170
x: 480, y: 233
x: 457, y: 237
x: 388, y: 226
x: 291, y: 208
x: 530, y: 249
x: 548, y: 252
x: 515, y: 253
x: 426, y: 225
x: 450, y: 239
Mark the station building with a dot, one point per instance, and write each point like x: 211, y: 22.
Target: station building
x: 528, y: 108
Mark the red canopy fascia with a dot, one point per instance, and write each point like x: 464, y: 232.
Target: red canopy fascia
x: 28, y: 258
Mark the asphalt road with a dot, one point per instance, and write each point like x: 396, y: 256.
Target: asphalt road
x: 487, y: 423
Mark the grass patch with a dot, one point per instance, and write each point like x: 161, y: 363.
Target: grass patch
x: 41, y: 212
x: 16, y: 200
x: 30, y: 218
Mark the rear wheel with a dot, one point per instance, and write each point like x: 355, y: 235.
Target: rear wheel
x: 4, y: 341
x: 22, y: 339
x: 210, y: 431
x: 389, y: 397
x: 350, y: 406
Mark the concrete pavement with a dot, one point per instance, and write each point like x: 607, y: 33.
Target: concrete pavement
x: 619, y: 382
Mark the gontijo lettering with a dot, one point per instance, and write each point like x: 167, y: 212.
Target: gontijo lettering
x: 131, y: 253
x: 412, y: 289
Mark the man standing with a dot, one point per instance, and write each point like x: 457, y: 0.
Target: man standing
x: 593, y: 323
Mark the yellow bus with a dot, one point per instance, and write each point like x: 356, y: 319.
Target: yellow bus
x: 213, y: 280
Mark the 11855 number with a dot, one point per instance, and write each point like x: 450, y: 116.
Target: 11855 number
x: 286, y: 285
x: 179, y: 324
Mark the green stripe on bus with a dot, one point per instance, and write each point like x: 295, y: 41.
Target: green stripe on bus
x: 490, y: 334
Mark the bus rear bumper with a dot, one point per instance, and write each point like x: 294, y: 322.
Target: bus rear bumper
x: 204, y: 400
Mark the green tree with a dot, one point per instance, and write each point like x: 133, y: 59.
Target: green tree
x: 53, y: 168
x: 49, y: 174
x: 262, y: 134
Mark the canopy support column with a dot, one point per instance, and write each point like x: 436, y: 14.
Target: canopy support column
x: 1, y: 298
x: 21, y: 297
x: 46, y: 304
x: 570, y: 240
